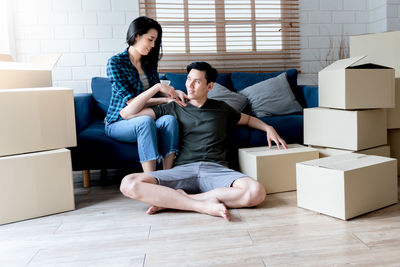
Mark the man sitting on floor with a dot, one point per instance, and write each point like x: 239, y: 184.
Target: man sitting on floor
x: 200, y: 180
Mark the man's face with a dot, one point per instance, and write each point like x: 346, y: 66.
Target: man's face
x: 196, y: 85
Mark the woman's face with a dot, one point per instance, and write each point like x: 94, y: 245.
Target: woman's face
x: 144, y: 43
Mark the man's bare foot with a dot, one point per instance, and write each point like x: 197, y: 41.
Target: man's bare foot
x: 155, y: 209
x: 216, y: 208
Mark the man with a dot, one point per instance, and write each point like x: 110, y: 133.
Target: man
x: 200, y: 180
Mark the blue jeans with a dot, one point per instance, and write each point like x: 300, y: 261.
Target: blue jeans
x: 144, y: 131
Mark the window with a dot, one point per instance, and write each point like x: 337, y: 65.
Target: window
x: 232, y: 35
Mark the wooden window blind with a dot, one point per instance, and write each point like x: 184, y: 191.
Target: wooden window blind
x: 232, y: 35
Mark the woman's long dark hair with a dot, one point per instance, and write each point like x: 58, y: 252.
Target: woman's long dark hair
x: 140, y: 26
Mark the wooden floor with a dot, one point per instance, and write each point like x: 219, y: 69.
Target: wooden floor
x: 108, y: 229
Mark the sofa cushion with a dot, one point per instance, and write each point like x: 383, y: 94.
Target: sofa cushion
x: 237, y: 101
x: 241, y: 80
x: 272, y: 97
x: 178, y: 80
x: 101, y: 91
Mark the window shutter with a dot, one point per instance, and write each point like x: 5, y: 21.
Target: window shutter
x: 232, y: 35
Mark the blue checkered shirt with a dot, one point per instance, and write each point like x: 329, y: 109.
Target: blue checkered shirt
x: 125, y: 83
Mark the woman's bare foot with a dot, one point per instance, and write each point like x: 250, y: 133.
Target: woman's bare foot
x: 155, y: 209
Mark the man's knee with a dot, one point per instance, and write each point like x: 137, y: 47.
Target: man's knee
x: 131, y: 184
x: 254, y: 192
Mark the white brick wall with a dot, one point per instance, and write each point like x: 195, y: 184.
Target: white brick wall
x: 336, y: 20
x: 85, y: 32
x: 88, y: 32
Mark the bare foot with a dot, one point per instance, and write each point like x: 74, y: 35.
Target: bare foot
x: 216, y: 208
x: 155, y: 209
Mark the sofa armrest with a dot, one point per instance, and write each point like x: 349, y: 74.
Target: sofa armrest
x: 83, y: 111
x: 310, y: 95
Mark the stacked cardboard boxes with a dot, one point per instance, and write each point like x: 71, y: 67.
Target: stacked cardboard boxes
x: 351, y: 117
x: 38, y: 122
x: 383, y: 48
x: 352, y: 99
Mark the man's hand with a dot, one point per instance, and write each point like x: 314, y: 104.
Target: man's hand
x: 272, y: 135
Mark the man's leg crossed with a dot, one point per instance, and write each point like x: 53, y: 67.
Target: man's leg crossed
x: 144, y: 187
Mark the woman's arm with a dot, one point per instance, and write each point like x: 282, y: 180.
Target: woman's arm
x: 136, y: 104
x: 255, y: 123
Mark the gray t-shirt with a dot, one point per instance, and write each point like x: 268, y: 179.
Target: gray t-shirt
x: 202, y: 131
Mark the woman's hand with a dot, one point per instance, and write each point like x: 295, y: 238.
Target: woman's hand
x: 182, y: 97
x: 167, y: 90
x: 272, y: 135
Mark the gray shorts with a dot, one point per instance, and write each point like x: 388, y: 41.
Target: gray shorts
x: 197, y: 177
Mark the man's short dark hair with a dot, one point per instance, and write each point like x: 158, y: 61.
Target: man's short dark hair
x: 211, y: 73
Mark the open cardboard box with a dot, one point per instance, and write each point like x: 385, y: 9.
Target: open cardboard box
x: 35, y: 73
x: 346, y: 84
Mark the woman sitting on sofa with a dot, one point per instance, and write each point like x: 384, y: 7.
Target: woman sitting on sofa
x: 133, y: 75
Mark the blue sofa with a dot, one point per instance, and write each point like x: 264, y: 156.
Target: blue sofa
x: 96, y: 151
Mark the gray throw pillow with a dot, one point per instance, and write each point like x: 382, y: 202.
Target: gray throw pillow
x: 272, y: 97
x: 236, y: 101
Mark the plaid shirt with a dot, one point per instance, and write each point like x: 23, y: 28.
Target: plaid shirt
x: 125, y: 83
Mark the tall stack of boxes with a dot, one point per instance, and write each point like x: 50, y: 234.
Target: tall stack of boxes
x: 351, y: 117
x: 38, y: 123
x: 383, y: 48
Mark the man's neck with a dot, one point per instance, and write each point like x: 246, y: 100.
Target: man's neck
x: 198, y: 102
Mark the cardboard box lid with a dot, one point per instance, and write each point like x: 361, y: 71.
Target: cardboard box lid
x: 347, y: 162
x: 42, y: 62
x: 352, y: 63
x: 264, y: 151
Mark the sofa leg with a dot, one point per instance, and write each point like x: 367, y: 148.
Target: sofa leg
x: 86, y: 178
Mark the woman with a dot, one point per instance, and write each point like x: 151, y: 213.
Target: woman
x: 133, y: 74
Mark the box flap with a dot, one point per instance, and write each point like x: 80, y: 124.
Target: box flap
x: 343, y: 63
x: 48, y: 60
x: 6, y: 57
x: 347, y: 162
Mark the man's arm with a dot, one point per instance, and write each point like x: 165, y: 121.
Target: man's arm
x: 255, y: 123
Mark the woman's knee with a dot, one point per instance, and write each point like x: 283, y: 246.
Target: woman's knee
x: 144, y: 124
x: 168, y: 122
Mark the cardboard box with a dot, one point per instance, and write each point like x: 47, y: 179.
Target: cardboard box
x: 348, y: 185
x: 36, y: 73
x: 345, y: 129
x: 383, y: 151
x: 275, y: 169
x: 6, y: 57
x: 393, y: 114
x: 394, y: 142
x: 35, y: 184
x: 380, y: 48
x: 36, y: 119
x: 346, y: 85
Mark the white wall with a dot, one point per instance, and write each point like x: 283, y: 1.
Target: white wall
x: 88, y: 32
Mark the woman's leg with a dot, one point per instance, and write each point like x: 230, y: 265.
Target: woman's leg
x: 141, y: 130
x: 168, y: 136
